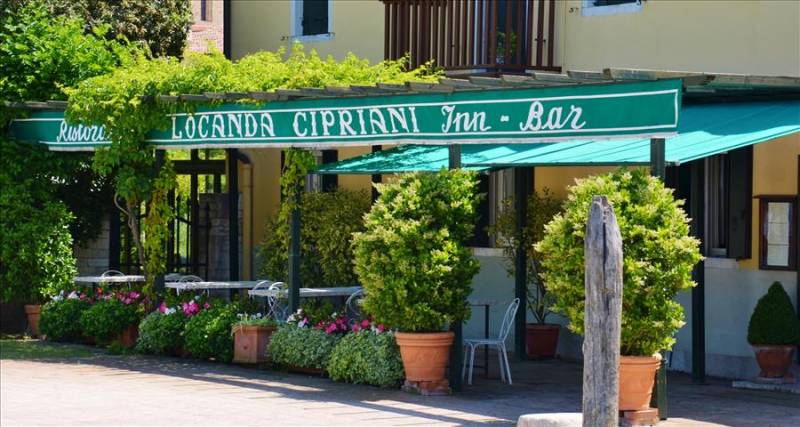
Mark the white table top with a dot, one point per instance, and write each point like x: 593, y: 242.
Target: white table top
x: 190, y: 286
x: 108, y: 279
x: 309, y: 292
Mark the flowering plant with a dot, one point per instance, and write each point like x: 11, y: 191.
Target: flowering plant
x: 257, y: 319
x: 188, y: 308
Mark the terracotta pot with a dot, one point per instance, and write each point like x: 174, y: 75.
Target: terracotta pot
x: 250, y: 343
x: 129, y: 336
x: 541, y: 340
x: 774, y: 360
x: 425, y: 355
x: 637, y: 374
x: 33, y: 311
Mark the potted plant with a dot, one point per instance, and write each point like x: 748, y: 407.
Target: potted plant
x: 541, y: 338
x: 60, y: 318
x: 207, y: 333
x: 305, y: 343
x: 416, y: 268
x: 774, y: 332
x: 658, y: 257
x: 114, y: 317
x: 367, y: 355
x: 251, y: 335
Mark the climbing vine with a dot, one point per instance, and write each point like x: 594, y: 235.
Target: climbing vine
x: 127, y: 102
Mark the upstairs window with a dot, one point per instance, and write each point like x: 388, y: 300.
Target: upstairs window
x: 205, y: 10
x: 610, y: 7
x: 312, y: 18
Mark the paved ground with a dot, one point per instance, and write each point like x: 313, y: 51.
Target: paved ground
x: 116, y: 390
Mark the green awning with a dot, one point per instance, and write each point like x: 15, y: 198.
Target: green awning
x: 704, y: 130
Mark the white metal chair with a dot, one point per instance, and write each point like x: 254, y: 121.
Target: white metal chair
x: 172, y: 277
x: 110, y: 273
x: 190, y: 278
x: 276, y: 304
x: 352, y: 306
x: 470, y: 345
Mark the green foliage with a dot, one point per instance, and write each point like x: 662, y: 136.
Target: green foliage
x: 328, y: 221
x: 107, y: 318
x: 658, y: 256
x: 162, y: 25
x: 302, y: 347
x: 412, y: 259
x: 156, y: 226
x: 541, y: 208
x: 774, y: 321
x: 60, y: 319
x: 161, y: 333
x: 40, y: 54
x: 257, y: 320
x: 365, y: 357
x: 207, y: 334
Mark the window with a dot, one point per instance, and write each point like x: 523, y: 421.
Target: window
x: 610, y: 7
x: 717, y: 206
x: 728, y: 204
x: 312, y: 19
x: 501, y: 187
x: 778, y: 243
x: 205, y: 10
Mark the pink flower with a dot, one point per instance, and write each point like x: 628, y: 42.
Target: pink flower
x: 330, y: 329
x: 356, y: 328
x: 134, y: 295
x: 162, y: 308
x: 206, y: 306
x: 365, y: 323
x: 380, y: 328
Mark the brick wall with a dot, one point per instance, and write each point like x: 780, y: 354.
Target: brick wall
x: 93, y: 259
x: 205, y: 32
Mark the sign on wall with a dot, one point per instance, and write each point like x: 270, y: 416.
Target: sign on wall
x: 644, y: 109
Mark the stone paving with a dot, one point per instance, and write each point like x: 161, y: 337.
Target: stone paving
x: 134, y: 390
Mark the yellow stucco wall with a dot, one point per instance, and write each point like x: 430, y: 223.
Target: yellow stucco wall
x: 266, y: 25
x: 774, y: 173
x: 715, y: 36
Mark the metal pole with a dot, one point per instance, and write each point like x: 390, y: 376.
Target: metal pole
x: 697, y: 208
x: 456, y: 351
x: 523, y: 180
x: 376, y: 178
x: 233, y: 213
x: 658, y: 169
x: 294, y: 253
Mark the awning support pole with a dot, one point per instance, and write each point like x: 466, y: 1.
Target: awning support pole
x: 294, y: 252
x: 658, y: 169
x: 697, y: 213
x: 376, y: 178
x: 457, y: 349
x: 523, y: 180
x: 233, y: 213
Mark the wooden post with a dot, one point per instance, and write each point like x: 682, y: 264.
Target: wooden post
x: 233, y: 214
x: 523, y: 180
x: 294, y: 253
x: 603, y: 316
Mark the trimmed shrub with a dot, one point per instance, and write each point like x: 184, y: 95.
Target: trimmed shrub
x: 61, y: 319
x: 365, y: 357
x: 774, y: 321
x: 306, y: 348
x: 106, y: 319
x: 161, y: 333
x: 658, y: 257
x: 207, y: 335
x: 413, y: 258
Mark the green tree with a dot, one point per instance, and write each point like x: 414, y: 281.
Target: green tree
x: 658, y: 257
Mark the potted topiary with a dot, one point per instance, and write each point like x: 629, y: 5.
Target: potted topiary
x: 774, y: 331
x: 541, y: 338
x: 416, y: 268
x: 658, y: 257
x: 251, y: 335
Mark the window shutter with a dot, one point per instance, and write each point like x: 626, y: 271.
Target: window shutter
x: 740, y: 202
x: 315, y: 17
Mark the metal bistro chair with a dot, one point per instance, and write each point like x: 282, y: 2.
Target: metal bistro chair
x: 276, y: 304
x: 190, y: 278
x: 352, y: 306
x: 110, y: 273
x: 470, y: 345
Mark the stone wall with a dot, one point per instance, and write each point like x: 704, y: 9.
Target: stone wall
x: 203, y: 33
x: 93, y: 258
x: 218, y: 247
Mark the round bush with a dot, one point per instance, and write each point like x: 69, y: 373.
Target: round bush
x: 106, y: 319
x: 365, y: 357
x: 207, y: 335
x: 61, y: 320
x: 774, y: 321
x: 161, y: 333
x: 412, y: 258
x: 307, y: 348
x: 658, y: 257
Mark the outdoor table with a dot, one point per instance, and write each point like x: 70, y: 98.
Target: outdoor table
x: 485, y: 304
x: 93, y: 280
x: 307, y: 292
x: 207, y: 286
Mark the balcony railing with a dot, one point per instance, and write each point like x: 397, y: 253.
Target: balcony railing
x: 482, y: 35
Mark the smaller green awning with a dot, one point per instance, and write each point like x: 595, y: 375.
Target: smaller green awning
x: 704, y: 130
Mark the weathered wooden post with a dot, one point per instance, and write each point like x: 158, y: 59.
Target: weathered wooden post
x: 603, y: 316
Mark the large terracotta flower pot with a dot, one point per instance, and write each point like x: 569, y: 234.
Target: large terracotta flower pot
x: 33, y: 311
x: 541, y: 340
x: 250, y: 343
x: 774, y: 360
x: 425, y: 355
x: 129, y: 336
x: 637, y: 374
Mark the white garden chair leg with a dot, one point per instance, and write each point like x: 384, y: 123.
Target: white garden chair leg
x: 502, y: 368
x: 508, y: 367
x: 471, y: 362
x: 464, y: 365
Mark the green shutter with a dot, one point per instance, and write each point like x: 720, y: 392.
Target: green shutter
x: 740, y: 202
